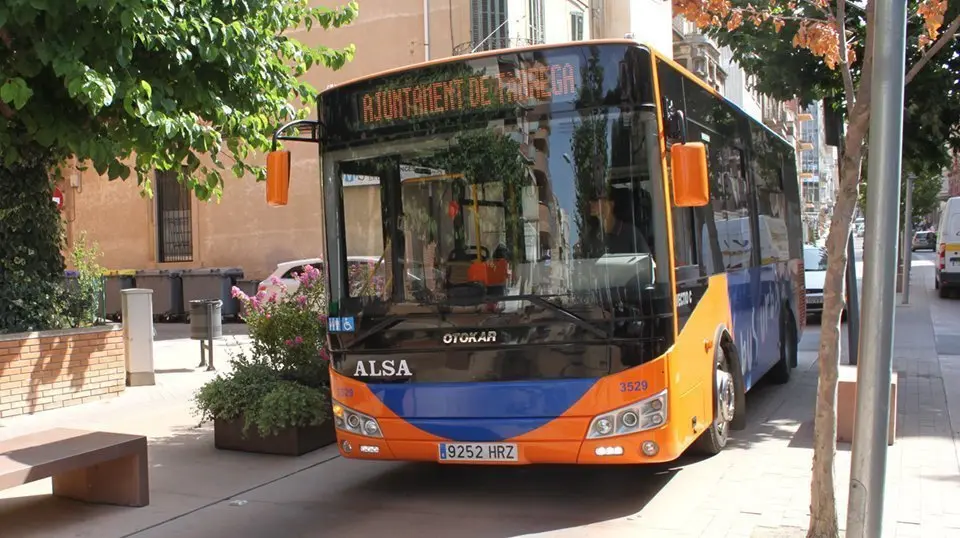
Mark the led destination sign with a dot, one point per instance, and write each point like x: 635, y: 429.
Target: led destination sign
x: 397, y: 104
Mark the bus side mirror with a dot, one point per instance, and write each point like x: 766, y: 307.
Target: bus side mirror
x: 691, y: 187
x: 278, y: 178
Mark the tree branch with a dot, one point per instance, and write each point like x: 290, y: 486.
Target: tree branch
x: 946, y: 36
x: 841, y: 21
x: 866, y: 69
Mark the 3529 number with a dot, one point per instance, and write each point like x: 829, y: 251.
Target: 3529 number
x: 633, y: 386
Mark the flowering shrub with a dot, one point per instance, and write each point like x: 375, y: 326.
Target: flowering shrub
x: 284, y: 382
x: 289, y: 330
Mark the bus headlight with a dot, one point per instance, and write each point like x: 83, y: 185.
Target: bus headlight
x: 355, y: 422
x: 643, y: 415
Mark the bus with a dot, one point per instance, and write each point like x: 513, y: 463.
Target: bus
x: 571, y: 266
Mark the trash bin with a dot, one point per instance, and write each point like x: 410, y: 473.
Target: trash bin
x: 206, y: 319
x: 212, y: 284
x: 167, y: 289
x: 206, y: 325
x: 113, y: 282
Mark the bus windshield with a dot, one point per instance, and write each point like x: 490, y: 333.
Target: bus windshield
x: 475, y: 221
x: 549, y: 193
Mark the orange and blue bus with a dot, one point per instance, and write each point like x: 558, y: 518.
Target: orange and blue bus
x: 585, y: 255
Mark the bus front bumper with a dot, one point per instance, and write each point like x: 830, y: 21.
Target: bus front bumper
x: 652, y: 446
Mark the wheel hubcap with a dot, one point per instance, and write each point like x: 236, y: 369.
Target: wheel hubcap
x: 725, y: 396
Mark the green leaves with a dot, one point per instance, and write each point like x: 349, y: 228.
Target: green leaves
x: 133, y: 86
x: 15, y: 92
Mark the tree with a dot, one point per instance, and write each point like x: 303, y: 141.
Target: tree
x: 195, y: 87
x: 926, y: 188
x: 828, y: 52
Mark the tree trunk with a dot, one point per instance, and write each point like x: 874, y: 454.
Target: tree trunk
x: 31, y: 262
x: 823, y: 503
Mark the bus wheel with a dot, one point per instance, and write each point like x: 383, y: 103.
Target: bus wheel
x: 780, y: 373
x: 714, y: 438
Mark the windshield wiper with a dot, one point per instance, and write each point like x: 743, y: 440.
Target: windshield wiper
x: 573, y: 318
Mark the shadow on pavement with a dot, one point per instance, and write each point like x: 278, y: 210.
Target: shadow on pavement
x: 186, y: 474
x: 781, y: 413
x: 197, y: 490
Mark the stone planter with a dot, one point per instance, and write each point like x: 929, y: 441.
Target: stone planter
x: 228, y: 435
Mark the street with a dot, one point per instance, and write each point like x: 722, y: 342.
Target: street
x: 759, y: 486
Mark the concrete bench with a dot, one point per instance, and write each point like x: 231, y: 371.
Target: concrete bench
x: 89, y: 466
x: 847, y: 405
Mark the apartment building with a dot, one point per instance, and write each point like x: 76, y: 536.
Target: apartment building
x: 818, y: 171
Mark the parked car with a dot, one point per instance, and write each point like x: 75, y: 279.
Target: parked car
x: 924, y: 240
x: 947, y: 266
x: 284, y: 272
x: 815, y: 273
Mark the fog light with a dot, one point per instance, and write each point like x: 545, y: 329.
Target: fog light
x: 370, y: 428
x: 608, y: 451
x: 649, y: 448
x: 347, y: 447
x: 369, y: 449
x: 629, y: 419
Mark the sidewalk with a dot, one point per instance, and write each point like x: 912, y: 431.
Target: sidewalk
x: 758, y: 487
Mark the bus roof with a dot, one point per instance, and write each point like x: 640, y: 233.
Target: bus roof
x: 484, y: 54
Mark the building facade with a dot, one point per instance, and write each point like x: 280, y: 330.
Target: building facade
x: 818, y: 171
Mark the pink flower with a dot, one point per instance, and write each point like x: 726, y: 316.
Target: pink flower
x: 302, y: 300
x: 288, y: 342
x: 237, y: 293
x: 324, y: 354
x: 275, y: 280
x: 322, y: 318
x: 298, y: 340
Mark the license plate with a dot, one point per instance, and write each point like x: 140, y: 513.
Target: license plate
x: 814, y: 300
x: 478, y: 452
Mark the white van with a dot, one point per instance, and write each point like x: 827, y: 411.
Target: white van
x: 948, y: 248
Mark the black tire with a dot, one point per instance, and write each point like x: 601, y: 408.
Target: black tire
x: 780, y: 373
x: 713, y: 440
x: 936, y: 283
x: 944, y: 292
